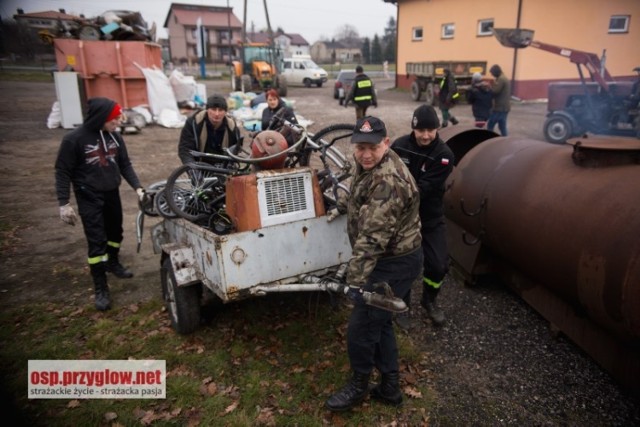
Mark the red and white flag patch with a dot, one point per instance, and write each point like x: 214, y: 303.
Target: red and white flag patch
x: 444, y: 161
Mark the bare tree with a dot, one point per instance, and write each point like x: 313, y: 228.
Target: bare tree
x: 348, y: 35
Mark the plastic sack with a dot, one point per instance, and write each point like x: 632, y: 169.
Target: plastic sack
x: 55, y: 116
x: 184, y: 87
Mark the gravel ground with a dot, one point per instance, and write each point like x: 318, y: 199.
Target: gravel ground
x: 496, y: 362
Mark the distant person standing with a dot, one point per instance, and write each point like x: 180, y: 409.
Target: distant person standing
x: 480, y: 97
x: 501, y: 100
x: 448, y: 96
x: 362, y: 93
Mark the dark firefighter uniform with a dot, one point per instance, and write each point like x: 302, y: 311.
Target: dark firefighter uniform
x: 362, y: 93
x: 93, y: 160
x: 430, y: 166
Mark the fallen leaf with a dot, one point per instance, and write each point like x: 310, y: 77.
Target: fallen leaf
x: 231, y: 407
x: 412, y: 392
x: 73, y: 403
x: 110, y: 416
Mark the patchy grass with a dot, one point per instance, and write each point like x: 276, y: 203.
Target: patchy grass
x: 26, y: 76
x: 269, y: 361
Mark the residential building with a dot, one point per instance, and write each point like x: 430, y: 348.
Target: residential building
x: 51, y: 21
x: 460, y: 30
x: 325, y: 52
x: 222, y: 29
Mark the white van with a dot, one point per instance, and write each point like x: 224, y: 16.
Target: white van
x: 300, y: 70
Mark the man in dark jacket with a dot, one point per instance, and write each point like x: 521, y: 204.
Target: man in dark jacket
x: 501, y: 100
x: 362, y: 93
x: 209, y: 131
x: 430, y: 162
x: 93, y: 158
x: 448, y: 96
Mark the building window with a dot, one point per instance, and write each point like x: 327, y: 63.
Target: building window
x: 619, y: 24
x: 448, y: 31
x: 484, y: 27
x: 416, y: 33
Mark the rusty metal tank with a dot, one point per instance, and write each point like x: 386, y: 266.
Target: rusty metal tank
x: 566, y: 217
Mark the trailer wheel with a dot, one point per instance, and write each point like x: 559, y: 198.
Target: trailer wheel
x: 557, y: 129
x: 183, y: 303
x: 416, y: 91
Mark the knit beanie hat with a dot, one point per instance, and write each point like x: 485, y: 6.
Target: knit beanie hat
x: 115, y: 113
x: 425, y: 117
x: 217, y: 101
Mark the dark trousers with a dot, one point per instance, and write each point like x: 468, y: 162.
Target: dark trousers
x: 435, y: 250
x: 101, y: 214
x: 371, y: 340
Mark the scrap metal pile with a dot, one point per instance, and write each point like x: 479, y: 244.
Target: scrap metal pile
x: 111, y: 25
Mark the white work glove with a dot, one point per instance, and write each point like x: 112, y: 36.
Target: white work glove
x: 68, y: 215
x: 332, y: 214
x: 140, y: 192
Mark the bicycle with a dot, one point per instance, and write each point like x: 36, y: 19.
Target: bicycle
x: 196, y: 191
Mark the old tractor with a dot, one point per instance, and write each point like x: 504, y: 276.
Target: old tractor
x: 599, y: 106
x: 257, y: 70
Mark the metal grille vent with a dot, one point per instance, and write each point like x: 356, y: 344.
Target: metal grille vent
x: 285, y: 195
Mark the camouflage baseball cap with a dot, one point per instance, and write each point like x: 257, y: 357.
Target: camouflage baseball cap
x: 370, y: 130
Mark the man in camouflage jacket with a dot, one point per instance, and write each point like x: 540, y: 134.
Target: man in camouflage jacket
x: 384, y: 231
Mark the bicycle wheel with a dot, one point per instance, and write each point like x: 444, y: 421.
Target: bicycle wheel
x: 192, y: 190
x: 337, y: 158
x: 339, y: 137
x: 162, y: 205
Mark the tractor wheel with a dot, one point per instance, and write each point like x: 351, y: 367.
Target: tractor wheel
x: 430, y: 94
x: 416, y: 91
x: 235, y: 80
x: 182, y: 302
x: 557, y: 129
x: 281, y: 85
x: 245, y: 83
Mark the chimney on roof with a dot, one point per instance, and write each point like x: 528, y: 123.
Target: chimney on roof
x: 62, y: 11
x: 20, y: 11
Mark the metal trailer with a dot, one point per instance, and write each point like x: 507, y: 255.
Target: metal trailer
x: 282, y: 243
x: 427, y: 76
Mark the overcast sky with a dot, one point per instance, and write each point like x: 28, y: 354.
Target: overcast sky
x: 312, y: 19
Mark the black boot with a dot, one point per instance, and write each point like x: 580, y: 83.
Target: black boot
x: 113, y: 264
x: 102, y: 297
x: 352, y: 394
x: 454, y: 121
x: 445, y: 124
x: 429, y: 295
x: 388, y: 391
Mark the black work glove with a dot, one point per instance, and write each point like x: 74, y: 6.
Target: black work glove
x: 354, y: 293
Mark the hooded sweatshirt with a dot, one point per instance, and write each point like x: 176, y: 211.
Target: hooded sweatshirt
x: 91, y: 158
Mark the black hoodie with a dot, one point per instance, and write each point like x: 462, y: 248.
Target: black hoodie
x: 91, y: 158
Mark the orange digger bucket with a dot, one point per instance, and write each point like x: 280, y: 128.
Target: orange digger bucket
x: 513, y: 37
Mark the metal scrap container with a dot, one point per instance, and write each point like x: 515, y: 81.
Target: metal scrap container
x: 110, y: 68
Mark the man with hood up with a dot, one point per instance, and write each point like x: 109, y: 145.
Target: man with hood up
x: 93, y: 158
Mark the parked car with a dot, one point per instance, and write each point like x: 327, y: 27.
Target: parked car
x: 344, y: 80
